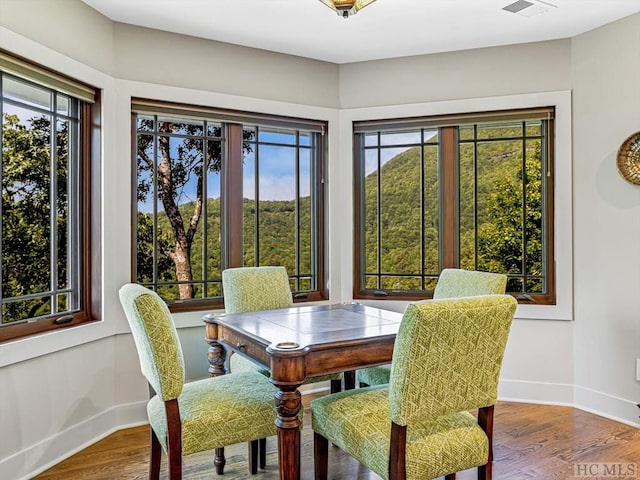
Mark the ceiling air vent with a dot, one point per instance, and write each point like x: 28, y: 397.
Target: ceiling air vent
x: 526, y: 8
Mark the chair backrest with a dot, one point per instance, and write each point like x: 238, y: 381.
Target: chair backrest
x: 455, y: 283
x: 251, y: 289
x: 156, y: 340
x: 447, y: 356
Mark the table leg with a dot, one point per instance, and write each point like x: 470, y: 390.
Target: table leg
x: 288, y: 402
x: 216, y: 354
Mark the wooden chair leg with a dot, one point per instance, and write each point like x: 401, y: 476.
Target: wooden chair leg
x: 485, y: 420
x: 156, y: 455
x: 174, y: 439
x: 349, y: 380
x: 320, y: 456
x: 397, y: 452
x: 219, y: 461
x: 336, y: 386
x: 253, y: 456
x: 262, y: 450
x: 484, y: 472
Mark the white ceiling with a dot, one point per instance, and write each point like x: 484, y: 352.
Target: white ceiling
x: 384, y: 29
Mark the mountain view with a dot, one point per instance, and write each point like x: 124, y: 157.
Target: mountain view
x: 491, y: 233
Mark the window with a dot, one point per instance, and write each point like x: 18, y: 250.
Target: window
x: 45, y: 219
x: 465, y: 191
x: 218, y: 189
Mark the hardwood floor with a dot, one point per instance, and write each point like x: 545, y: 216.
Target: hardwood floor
x: 537, y: 442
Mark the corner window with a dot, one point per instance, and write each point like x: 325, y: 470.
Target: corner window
x: 218, y: 189
x: 466, y: 191
x: 45, y: 219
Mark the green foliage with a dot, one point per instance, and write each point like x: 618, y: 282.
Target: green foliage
x: 277, y: 243
x: 401, y: 221
x: 26, y: 214
x: 501, y: 241
x: 491, y: 212
x: 492, y: 236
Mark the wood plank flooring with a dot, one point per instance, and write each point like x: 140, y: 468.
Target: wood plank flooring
x: 531, y: 442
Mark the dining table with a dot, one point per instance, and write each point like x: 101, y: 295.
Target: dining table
x: 300, y: 342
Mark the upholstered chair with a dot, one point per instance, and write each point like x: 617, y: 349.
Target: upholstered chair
x: 195, y: 416
x: 446, y: 362
x: 252, y: 289
x: 453, y: 283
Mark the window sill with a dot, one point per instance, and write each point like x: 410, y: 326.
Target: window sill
x: 523, y: 312
x: 27, y: 348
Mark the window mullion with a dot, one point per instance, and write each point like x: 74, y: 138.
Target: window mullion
x: 205, y: 211
x: 75, y: 219
x: 547, y: 179
x: 256, y: 188
x: 379, y: 215
x: 525, y: 180
x: 154, y: 178
x: 297, y: 211
x: 1, y: 212
x: 317, y: 203
x: 359, y: 214
x: 53, y: 207
x: 233, y: 212
x: 422, y: 212
x: 475, y: 196
x: 449, y: 196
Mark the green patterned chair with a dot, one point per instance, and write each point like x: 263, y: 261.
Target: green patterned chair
x: 252, y: 289
x: 446, y: 361
x: 453, y: 283
x: 196, y: 416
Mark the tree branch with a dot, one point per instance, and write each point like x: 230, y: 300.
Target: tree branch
x: 143, y: 155
x: 197, y: 209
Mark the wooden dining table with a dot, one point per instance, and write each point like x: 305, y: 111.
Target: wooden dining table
x: 300, y: 342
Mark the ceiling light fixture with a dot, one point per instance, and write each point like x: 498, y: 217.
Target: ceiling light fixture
x: 344, y: 8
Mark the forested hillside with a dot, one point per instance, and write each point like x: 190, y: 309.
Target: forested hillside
x: 491, y: 214
x: 490, y: 234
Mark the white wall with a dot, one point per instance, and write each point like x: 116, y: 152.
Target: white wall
x: 90, y: 374
x: 606, y: 91
x: 164, y: 58
x: 59, y: 24
x: 534, y: 67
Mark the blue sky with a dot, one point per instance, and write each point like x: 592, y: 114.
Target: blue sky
x: 277, y: 165
x: 408, y: 140
x: 276, y: 172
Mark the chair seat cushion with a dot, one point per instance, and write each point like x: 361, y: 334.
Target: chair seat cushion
x: 219, y: 411
x: 358, y: 422
x: 378, y: 375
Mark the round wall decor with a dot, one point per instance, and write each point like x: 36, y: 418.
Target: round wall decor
x: 629, y: 159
